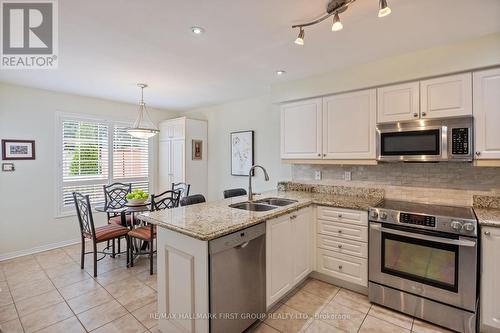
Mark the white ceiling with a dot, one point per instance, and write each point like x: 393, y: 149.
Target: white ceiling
x: 108, y: 46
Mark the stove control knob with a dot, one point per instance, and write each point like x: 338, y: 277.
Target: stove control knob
x: 456, y: 225
x: 374, y: 214
x: 383, y: 215
x: 469, y: 227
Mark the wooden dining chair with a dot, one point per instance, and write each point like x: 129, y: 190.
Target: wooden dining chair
x: 96, y: 235
x: 166, y: 200
x: 115, y: 196
x: 234, y: 192
x: 192, y: 200
x: 182, y: 187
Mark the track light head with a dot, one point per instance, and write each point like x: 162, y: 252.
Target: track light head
x: 300, y: 37
x: 384, y: 9
x: 337, y: 25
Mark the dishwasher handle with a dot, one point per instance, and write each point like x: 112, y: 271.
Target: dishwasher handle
x: 239, y: 239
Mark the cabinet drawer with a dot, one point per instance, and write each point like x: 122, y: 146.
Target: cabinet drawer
x: 343, y: 230
x: 340, y: 245
x: 343, y: 215
x: 345, y: 267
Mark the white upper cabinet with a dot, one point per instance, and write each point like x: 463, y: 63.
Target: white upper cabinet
x: 487, y: 113
x: 349, y: 125
x: 398, y: 102
x: 447, y: 96
x: 301, y: 131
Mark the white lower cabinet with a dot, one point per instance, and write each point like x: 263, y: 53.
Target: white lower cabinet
x: 342, y: 244
x: 490, y: 271
x: 288, y: 252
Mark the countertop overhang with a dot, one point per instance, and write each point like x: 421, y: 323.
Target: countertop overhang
x: 211, y: 220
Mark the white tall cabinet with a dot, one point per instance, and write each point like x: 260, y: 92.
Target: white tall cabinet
x: 175, y: 155
x: 487, y: 114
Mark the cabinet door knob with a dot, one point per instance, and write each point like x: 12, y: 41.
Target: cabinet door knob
x: 339, y: 215
x: 340, y: 231
x: 324, y: 155
x: 424, y: 114
x: 478, y: 153
x: 319, y: 155
x: 340, y: 266
x: 415, y: 115
x: 339, y: 246
x: 487, y: 233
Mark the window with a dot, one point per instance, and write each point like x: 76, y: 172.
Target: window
x: 94, y: 153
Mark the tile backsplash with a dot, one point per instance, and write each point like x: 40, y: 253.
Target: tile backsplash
x: 444, y: 183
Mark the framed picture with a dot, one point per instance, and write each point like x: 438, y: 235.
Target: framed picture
x: 197, y: 150
x: 241, y: 153
x: 18, y: 149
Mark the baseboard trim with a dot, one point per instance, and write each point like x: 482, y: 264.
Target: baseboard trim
x: 20, y: 253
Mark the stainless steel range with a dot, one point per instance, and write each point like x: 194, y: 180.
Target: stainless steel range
x: 423, y: 261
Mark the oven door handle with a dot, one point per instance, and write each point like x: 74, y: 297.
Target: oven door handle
x: 459, y: 242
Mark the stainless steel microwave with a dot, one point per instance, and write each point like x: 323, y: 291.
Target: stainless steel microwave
x: 426, y: 140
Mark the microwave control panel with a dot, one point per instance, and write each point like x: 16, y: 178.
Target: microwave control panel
x: 460, y: 141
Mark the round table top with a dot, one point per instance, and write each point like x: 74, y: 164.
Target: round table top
x: 126, y: 209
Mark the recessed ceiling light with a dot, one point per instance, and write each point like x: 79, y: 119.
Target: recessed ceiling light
x: 197, y: 30
x: 280, y: 72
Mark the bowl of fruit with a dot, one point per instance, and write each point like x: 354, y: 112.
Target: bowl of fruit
x: 137, y: 198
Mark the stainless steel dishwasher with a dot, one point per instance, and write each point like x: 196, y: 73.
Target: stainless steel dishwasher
x: 237, y: 279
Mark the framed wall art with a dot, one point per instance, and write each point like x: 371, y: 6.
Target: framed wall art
x: 197, y: 150
x: 242, y: 153
x: 18, y: 149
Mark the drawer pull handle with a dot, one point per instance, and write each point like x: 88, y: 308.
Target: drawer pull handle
x: 340, y: 215
x: 340, y: 266
x: 340, y: 231
x: 339, y: 246
x: 487, y: 233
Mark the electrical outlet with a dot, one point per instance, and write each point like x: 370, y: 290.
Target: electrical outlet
x: 347, y: 175
x: 317, y: 175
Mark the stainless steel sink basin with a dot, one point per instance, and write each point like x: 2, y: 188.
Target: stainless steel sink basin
x: 277, y: 201
x: 253, y: 206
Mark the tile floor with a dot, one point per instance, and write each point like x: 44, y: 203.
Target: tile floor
x: 48, y: 292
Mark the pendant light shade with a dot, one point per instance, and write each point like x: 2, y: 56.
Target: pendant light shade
x: 140, y: 129
x: 384, y: 9
x: 337, y: 25
x: 300, y: 37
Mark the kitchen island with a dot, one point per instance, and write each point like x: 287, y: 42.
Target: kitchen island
x: 184, y: 235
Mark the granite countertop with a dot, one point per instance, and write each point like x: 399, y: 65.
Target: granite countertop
x: 487, y: 209
x: 488, y: 217
x: 211, y: 220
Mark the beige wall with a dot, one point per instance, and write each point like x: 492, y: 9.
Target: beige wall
x: 462, y: 56
x: 27, y: 196
x: 257, y: 114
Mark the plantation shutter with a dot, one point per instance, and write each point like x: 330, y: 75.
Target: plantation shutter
x: 130, y: 159
x: 85, y: 161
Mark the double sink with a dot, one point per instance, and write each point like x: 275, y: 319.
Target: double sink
x: 263, y: 205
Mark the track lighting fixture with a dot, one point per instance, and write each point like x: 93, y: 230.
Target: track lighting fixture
x: 335, y: 8
x: 384, y: 9
x: 300, y: 37
x: 337, y: 25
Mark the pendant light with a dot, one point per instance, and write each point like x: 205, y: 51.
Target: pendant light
x: 384, y: 9
x: 139, y: 129
x: 337, y: 25
x: 300, y: 38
